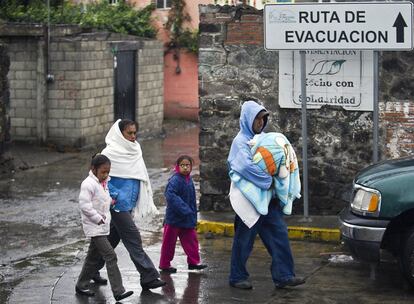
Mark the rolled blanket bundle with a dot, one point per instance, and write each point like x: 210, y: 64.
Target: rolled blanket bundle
x: 274, y: 154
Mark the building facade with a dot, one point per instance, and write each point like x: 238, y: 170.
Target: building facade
x: 180, y: 66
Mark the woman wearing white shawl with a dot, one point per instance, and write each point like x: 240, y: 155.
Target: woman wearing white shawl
x: 131, y: 191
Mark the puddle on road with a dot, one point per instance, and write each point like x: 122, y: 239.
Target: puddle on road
x: 22, y: 240
x: 181, y: 138
x: 340, y: 258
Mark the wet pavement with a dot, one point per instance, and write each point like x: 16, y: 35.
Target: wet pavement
x: 43, y: 246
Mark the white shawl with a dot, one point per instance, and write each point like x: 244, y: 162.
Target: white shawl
x: 127, y: 162
x: 242, y: 206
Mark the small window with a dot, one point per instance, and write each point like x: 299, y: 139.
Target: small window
x: 164, y: 3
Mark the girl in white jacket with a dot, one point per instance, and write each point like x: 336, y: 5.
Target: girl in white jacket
x: 94, y: 203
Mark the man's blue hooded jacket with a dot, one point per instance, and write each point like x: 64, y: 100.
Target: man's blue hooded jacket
x: 240, y: 157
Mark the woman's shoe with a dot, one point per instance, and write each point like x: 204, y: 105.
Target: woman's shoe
x: 196, y: 267
x: 153, y: 284
x: 169, y: 270
x: 123, y: 296
x: 84, y: 292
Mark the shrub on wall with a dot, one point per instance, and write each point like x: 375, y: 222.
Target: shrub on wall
x: 180, y: 37
x: 189, y: 40
x: 118, y: 18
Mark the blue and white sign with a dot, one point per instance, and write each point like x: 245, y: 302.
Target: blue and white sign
x: 344, y: 26
x: 340, y: 78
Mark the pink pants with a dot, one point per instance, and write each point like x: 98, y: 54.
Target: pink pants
x: 188, y: 239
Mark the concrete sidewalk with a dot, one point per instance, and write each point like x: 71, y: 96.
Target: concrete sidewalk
x: 332, y: 277
x: 56, y: 283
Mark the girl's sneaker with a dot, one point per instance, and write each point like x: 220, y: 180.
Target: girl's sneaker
x: 196, y: 267
x: 169, y: 270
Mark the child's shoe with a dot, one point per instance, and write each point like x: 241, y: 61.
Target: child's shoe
x: 196, y: 267
x: 169, y: 270
x: 84, y: 292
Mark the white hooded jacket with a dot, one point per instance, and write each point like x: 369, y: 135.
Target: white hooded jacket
x: 94, y: 203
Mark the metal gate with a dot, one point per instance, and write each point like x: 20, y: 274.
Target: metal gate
x: 125, y: 87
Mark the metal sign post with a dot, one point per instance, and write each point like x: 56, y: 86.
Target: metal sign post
x: 376, y: 111
x: 304, y: 135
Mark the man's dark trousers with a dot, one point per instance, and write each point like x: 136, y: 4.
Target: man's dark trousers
x: 272, y: 230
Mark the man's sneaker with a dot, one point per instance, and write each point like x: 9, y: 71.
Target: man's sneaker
x: 84, y: 292
x: 291, y: 282
x: 123, y: 296
x: 99, y: 280
x: 196, y: 267
x: 153, y: 284
x: 242, y: 285
x: 169, y: 270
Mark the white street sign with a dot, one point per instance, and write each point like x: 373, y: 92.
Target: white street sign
x: 329, y: 26
x: 340, y: 78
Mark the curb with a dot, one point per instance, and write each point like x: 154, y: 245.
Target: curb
x: 220, y: 228
x: 295, y: 232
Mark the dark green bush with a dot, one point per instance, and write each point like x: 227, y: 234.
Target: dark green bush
x: 187, y: 39
x: 118, y: 18
x: 180, y: 37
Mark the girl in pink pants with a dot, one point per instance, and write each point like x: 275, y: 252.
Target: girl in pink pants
x: 180, y: 217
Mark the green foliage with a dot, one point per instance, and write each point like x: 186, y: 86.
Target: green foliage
x: 179, y: 36
x: 189, y: 40
x: 119, y: 18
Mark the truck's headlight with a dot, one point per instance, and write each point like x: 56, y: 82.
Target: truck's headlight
x: 366, y: 200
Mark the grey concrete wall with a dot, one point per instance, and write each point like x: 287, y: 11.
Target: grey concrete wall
x: 4, y: 100
x: 234, y: 67
x: 22, y: 78
x: 80, y: 100
x: 77, y: 108
x: 150, y: 87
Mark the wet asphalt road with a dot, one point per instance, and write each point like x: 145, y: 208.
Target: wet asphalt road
x: 43, y: 247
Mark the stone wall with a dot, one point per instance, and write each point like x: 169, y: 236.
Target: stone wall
x: 397, y: 106
x: 234, y: 67
x: 77, y: 107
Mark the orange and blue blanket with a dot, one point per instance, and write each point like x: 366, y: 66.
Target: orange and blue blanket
x: 273, y: 153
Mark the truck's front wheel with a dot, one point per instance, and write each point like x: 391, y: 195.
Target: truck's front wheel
x: 407, y: 257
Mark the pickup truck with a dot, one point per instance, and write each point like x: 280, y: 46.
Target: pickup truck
x: 380, y: 215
